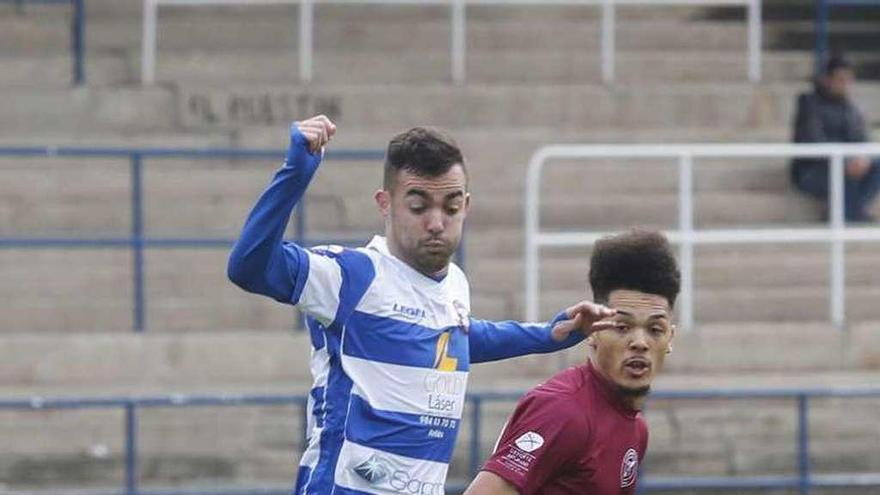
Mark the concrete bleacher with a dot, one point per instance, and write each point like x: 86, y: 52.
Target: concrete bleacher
x: 228, y: 77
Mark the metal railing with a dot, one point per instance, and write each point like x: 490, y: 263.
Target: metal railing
x: 458, y: 28
x: 823, y: 13
x: 803, y: 480
x: 137, y: 241
x: 836, y: 234
x: 77, y: 33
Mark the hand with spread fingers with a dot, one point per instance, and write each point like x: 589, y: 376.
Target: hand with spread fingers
x: 586, y: 317
x: 318, y: 131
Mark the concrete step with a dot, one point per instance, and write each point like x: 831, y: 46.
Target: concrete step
x: 742, y: 305
x: 753, y: 266
x: 244, y: 361
x: 88, y: 109
x: 591, y: 110
x: 54, y: 70
x: 658, y: 210
x: 563, y: 65
x: 274, y: 26
x: 581, y: 106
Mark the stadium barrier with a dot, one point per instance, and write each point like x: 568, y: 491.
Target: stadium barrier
x: 458, y: 28
x: 803, y: 481
x: 77, y: 33
x: 137, y: 241
x: 836, y: 234
x: 823, y: 13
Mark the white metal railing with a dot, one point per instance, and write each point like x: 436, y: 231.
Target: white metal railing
x: 836, y: 233
x: 458, y: 28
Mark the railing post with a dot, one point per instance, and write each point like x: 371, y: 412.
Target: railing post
x: 78, y: 42
x: 754, y: 40
x: 803, y: 445
x: 148, y: 43
x: 306, y: 37
x: 821, y: 28
x: 137, y: 241
x: 686, y: 247
x: 836, y: 202
x: 607, y: 41
x: 476, y: 417
x: 533, y: 231
x: 458, y: 40
x: 131, y: 467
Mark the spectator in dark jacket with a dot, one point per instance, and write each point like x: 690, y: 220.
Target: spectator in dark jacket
x: 827, y: 115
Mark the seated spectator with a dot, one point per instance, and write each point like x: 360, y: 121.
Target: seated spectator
x: 827, y: 115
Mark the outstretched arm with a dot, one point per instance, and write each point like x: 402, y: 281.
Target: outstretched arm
x: 261, y: 261
x: 494, y: 340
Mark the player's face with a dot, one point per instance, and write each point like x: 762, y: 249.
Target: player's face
x: 424, y: 217
x: 631, y: 354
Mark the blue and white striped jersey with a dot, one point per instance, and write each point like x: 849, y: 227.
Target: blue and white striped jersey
x: 391, y: 348
x: 390, y: 360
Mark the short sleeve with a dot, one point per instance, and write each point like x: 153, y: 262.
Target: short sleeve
x: 334, y: 282
x: 543, y: 436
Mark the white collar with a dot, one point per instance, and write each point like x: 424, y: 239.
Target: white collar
x: 380, y: 244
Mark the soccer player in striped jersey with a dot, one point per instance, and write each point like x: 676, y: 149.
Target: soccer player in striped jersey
x: 391, y: 332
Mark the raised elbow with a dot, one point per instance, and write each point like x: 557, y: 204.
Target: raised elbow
x: 238, y: 273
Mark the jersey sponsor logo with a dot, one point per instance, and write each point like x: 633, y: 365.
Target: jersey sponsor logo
x: 409, y: 312
x: 529, y: 441
x: 374, y: 470
x: 629, y: 468
x: 442, y: 361
x: 381, y: 472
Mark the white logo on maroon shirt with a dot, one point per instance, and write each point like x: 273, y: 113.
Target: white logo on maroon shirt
x: 629, y: 468
x: 529, y: 441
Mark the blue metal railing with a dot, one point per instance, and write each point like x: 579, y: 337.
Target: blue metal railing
x: 137, y: 240
x: 77, y: 33
x: 803, y: 481
x: 823, y: 13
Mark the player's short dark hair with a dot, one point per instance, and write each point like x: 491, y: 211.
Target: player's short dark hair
x: 834, y: 63
x: 640, y: 260
x: 422, y: 151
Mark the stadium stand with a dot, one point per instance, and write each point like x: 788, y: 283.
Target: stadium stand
x: 227, y: 77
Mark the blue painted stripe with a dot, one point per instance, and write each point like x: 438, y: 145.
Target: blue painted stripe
x: 429, y: 438
x: 387, y: 340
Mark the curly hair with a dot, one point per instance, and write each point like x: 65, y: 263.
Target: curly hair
x: 423, y: 151
x: 640, y: 260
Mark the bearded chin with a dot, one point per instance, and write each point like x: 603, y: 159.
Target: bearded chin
x: 634, y: 392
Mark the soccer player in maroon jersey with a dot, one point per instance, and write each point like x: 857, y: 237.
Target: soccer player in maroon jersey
x: 582, y: 432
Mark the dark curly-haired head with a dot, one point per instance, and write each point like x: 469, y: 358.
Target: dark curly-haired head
x: 639, y: 260
x: 421, y: 151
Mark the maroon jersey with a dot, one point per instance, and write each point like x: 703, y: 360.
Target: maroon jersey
x: 571, y: 435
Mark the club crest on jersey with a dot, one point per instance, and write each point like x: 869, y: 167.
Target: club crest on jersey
x: 629, y: 468
x: 461, y: 313
x: 529, y: 441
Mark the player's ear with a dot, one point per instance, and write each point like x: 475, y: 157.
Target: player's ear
x: 383, y: 201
